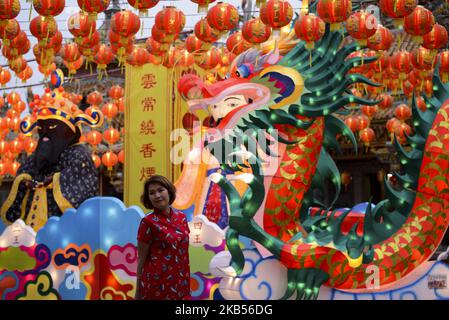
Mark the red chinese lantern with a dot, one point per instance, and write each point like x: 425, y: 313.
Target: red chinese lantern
x: 421, y: 103
x: 436, y: 39
x: 209, y: 59
x: 382, y: 63
x: 18, y: 64
x: 121, y: 105
x: 186, y: 59
x: 9, y: 9
x: 236, y: 44
x: 427, y: 87
x: 13, y: 98
x: 310, y: 28
x: 4, y: 145
x: 423, y: 59
x: 89, y: 53
x: 444, y: 66
x: 69, y: 52
x: 121, y: 156
x: 74, y: 66
x: 43, y: 56
x: 346, y: 179
x: 10, y: 53
x: 3, y: 168
x: 109, y: 110
x: 170, y: 58
x: 5, y: 77
x: 103, y: 57
x: 363, y: 121
x: 195, y: 45
x: 203, y: 4
x: 125, y: 23
x: 170, y: 20
x: 80, y: 26
x: 19, y: 42
x: 188, y: 121
x: 391, y: 124
x: 401, y: 62
x: 276, y: 13
x: 53, y: 44
x: 255, y: 31
x: 9, y: 31
x: 43, y: 28
x: 353, y: 123
x: 403, y: 112
x: 5, y: 124
x: 116, y: 92
x: 398, y: 9
x: 369, y: 111
x: 16, y: 145
x: 334, y: 11
x: 111, y: 135
x: 223, y: 17
x: 94, y: 98
x: 143, y: 5
x: 26, y: 74
x: 205, y: 32
x: 367, y: 135
x: 419, y: 23
x: 29, y: 145
x: 138, y: 57
x: 109, y: 159
x: 94, y: 137
x: 96, y: 159
x: 93, y: 7
x: 2, y: 102
x: 386, y: 101
x: 89, y: 42
x: 401, y: 131
x: 407, y: 88
x: 155, y: 47
x: 381, y: 40
x: 156, y: 60
x: 49, y: 7
x: 164, y: 39
x: 13, y: 168
x: 361, y: 26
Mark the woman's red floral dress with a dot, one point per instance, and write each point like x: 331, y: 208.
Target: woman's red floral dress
x: 166, y: 272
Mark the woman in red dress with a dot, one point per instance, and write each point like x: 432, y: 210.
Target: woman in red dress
x: 163, y: 270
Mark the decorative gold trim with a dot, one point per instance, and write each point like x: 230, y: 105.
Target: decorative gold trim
x: 38, y: 214
x: 62, y: 202
x: 12, y: 195
x: 60, y: 118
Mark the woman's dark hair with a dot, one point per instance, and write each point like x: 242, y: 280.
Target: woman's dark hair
x: 162, y: 181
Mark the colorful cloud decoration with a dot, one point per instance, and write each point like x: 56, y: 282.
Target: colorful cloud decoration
x: 90, y: 253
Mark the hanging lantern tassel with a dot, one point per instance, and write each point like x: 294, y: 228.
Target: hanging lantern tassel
x: 305, y: 7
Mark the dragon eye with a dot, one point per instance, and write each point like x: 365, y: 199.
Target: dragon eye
x: 243, y: 71
x: 52, y: 127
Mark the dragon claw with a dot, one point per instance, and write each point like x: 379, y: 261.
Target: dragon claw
x: 305, y: 282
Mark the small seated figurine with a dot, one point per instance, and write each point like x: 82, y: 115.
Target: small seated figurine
x: 60, y: 174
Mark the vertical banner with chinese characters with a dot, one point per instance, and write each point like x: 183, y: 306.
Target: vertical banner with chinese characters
x: 147, y: 128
